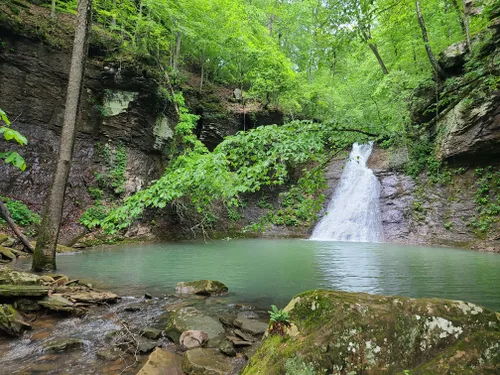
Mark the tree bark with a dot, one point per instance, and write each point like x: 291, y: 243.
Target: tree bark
x: 374, y: 49
x: 4, y: 212
x: 202, y: 69
x: 53, y: 9
x: 178, y: 39
x: 440, y: 75
x: 466, y: 28
x: 44, y: 258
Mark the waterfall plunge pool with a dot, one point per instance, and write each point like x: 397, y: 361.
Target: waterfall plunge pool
x: 267, y: 271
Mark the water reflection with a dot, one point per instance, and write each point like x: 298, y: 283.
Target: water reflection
x: 272, y: 271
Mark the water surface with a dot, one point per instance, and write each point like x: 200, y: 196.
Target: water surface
x: 263, y: 271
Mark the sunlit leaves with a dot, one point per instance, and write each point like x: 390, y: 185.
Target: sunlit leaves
x: 11, y: 157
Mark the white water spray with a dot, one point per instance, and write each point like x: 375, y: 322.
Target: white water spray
x: 353, y: 214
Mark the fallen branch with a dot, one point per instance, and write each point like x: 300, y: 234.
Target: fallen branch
x: 4, y: 211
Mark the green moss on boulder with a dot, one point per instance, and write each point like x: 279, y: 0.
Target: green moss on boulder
x: 202, y: 287
x: 354, y: 333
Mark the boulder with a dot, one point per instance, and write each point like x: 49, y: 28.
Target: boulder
x: 3, y: 238
x: 205, y: 362
x: 162, y: 362
x: 247, y: 322
x: 63, y: 345
x: 11, y: 277
x: 26, y: 305
x: 193, y: 339
x: 109, y: 354
x: 338, y: 332
x: 94, y: 297
x: 226, y: 348
x: 7, y: 253
x: 452, y: 59
x: 189, y: 318
x: 242, y: 335
x: 202, y: 287
x: 151, y: 333
x: 11, y: 322
x: 56, y: 302
x: 236, y: 341
x: 10, y: 241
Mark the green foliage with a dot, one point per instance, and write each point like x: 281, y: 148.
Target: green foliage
x: 487, y: 199
x: 278, y: 315
x: 94, y: 215
x: 296, y: 366
x: 114, y: 178
x: 199, y: 181
x: 9, y: 134
x: 20, y: 213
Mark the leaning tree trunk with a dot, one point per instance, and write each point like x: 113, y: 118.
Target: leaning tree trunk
x: 373, y: 47
x: 4, y: 212
x: 440, y: 75
x: 53, y: 9
x: 44, y: 258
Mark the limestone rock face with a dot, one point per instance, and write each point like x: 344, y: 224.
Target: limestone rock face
x: 162, y: 362
x: 471, y: 132
x: 11, y: 322
x: 205, y: 362
x: 202, y: 287
x: 354, y: 333
x: 189, y: 318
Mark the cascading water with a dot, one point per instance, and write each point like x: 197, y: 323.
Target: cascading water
x: 353, y: 214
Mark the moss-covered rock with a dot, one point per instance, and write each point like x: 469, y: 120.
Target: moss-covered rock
x: 205, y: 362
x: 11, y: 322
x: 351, y: 333
x: 189, y: 318
x: 162, y: 362
x: 10, y: 277
x: 202, y: 287
x: 63, y: 345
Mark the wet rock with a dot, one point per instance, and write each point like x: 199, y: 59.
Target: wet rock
x: 11, y: 322
x: 95, y: 297
x: 23, y: 290
x: 193, y: 339
x: 26, y: 305
x: 151, y: 333
x: 250, y: 325
x: 7, y: 253
x: 189, y: 318
x: 226, y: 348
x: 148, y: 296
x: 109, y: 354
x: 339, y: 331
x: 144, y: 345
x: 137, y: 345
x: 8, y: 276
x: 242, y: 335
x: 202, y: 287
x: 3, y: 238
x: 56, y: 302
x: 236, y: 341
x: 452, y: 59
x: 162, y: 362
x: 133, y: 307
x: 63, y: 345
x: 205, y: 362
x: 9, y: 242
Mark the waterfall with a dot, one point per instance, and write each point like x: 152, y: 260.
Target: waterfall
x: 353, y: 214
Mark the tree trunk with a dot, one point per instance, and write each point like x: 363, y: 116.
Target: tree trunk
x: 53, y: 9
x: 4, y: 212
x: 202, y: 69
x: 466, y: 28
x: 374, y: 49
x: 178, y: 39
x: 460, y: 15
x: 440, y: 75
x: 44, y: 258
x: 113, y: 18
